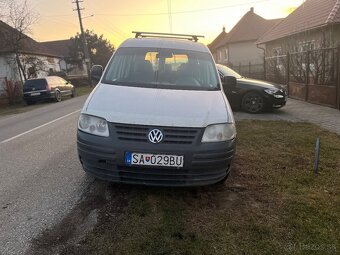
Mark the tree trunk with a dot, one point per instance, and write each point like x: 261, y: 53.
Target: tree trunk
x: 21, y: 69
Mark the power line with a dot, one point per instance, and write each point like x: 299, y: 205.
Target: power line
x: 167, y: 13
x: 110, y: 29
x: 183, y: 12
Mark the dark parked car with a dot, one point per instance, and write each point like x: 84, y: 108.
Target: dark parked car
x: 51, y: 87
x: 251, y: 95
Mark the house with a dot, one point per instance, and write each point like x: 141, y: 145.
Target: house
x: 302, y: 48
x: 239, y: 46
x: 212, y: 46
x: 21, y: 58
x: 314, y: 24
x: 62, y: 48
x: 35, y: 59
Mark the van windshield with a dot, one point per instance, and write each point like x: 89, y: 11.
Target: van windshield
x: 162, y: 68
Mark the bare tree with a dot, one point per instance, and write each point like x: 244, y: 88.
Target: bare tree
x: 20, y: 17
x: 32, y: 65
x: 316, y: 64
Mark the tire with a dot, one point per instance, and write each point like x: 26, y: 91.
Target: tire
x: 73, y: 93
x: 57, y: 96
x: 252, y: 102
x: 30, y: 102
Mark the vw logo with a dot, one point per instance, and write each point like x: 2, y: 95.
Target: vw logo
x: 155, y: 136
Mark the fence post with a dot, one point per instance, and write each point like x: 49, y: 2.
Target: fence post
x: 288, y: 71
x: 264, y: 68
x: 307, y: 75
x: 323, y: 68
x: 249, y: 69
x: 338, y: 79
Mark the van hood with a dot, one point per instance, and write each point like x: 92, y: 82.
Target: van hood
x: 158, y: 107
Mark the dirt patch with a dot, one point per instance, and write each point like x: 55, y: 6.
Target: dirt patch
x: 80, y: 221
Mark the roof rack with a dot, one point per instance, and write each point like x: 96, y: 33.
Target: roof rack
x: 167, y: 35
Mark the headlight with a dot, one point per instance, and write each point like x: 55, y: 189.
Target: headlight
x: 271, y: 91
x: 219, y: 133
x: 93, y: 125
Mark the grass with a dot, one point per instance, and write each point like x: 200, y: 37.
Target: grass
x: 23, y: 107
x: 84, y: 90
x: 272, y: 204
x: 18, y: 108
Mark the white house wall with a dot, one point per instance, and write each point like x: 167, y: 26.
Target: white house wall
x: 50, y: 63
x: 8, y: 67
x: 242, y: 53
x: 222, y: 55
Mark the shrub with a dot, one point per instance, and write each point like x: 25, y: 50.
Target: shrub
x: 14, y: 91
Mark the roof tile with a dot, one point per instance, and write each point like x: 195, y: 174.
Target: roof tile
x: 311, y: 14
x: 250, y: 27
x: 60, y: 48
x: 28, y: 44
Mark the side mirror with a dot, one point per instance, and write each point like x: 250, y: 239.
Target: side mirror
x: 96, y: 72
x: 229, y: 82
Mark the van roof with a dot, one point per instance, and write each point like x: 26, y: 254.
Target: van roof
x: 167, y: 43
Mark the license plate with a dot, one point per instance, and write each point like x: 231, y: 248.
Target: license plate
x: 147, y: 159
x: 35, y: 94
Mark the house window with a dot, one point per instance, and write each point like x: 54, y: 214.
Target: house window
x: 219, y: 56
x: 306, y: 46
x: 226, y: 57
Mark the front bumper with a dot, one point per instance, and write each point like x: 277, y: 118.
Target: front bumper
x: 274, y: 102
x: 204, y: 164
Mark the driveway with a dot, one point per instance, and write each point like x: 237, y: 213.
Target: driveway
x: 299, y: 111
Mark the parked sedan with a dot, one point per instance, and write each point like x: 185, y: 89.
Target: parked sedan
x: 251, y: 95
x: 51, y: 87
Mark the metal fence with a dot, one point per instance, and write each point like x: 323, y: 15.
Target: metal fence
x: 318, y: 67
x: 250, y: 70
x: 310, y: 75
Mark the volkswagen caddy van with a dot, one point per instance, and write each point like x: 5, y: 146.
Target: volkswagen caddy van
x: 158, y: 115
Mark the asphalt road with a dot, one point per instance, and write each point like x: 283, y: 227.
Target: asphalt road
x: 40, y: 176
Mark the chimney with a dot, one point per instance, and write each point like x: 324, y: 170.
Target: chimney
x: 252, y: 9
x: 223, y: 29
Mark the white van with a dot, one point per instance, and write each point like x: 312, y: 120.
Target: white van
x: 158, y: 115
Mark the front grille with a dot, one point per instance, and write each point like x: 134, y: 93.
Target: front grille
x: 172, y: 135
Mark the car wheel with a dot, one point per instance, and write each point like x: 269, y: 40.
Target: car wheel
x: 252, y: 102
x: 30, y: 102
x: 57, y: 96
x: 73, y: 93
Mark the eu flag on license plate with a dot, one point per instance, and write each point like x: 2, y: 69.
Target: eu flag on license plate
x: 128, y: 158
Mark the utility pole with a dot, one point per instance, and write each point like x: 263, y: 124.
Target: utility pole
x: 85, y: 48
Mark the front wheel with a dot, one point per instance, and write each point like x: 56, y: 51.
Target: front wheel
x: 252, y: 102
x: 57, y: 96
